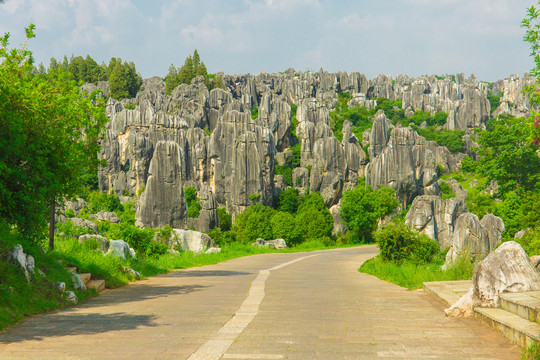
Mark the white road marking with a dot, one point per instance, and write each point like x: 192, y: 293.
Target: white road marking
x: 216, y: 347
x: 252, y: 356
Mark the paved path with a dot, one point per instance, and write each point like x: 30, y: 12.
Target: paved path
x: 273, y: 306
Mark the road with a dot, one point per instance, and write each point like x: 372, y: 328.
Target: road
x: 272, y: 306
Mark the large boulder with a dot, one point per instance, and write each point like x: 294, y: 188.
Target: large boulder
x: 273, y: 244
x: 121, y: 249
x: 163, y: 203
x: 88, y: 225
x: 190, y: 240
x: 436, y: 217
x: 25, y: 261
x: 469, y: 239
x: 339, y: 226
x: 106, y: 216
x: 507, y: 269
x: 102, y: 241
x: 76, y: 205
x: 494, y: 226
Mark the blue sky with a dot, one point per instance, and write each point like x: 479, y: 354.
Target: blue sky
x: 394, y: 37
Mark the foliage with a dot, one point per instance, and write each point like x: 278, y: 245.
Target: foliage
x: 412, y: 275
x: 519, y: 210
x: 284, y: 227
x: 20, y: 298
x: 254, y: 112
x: 480, y: 203
x: 85, y: 70
x: 286, y: 171
x: 100, y: 201
x: 494, y: 102
x: 446, y: 191
x: 193, y: 202
x: 313, y: 219
x: 399, y: 242
x: 193, y: 67
x: 254, y: 197
x: 438, y: 119
x: 225, y: 219
x: 288, y: 200
x: 294, y: 122
x: 530, y: 242
x: 48, y: 138
x: 362, y: 207
x: 452, y: 139
x: 508, y: 156
x: 468, y: 165
x: 254, y: 223
x: 124, y: 81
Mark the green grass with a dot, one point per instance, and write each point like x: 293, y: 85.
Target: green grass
x: 411, y: 276
x: 20, y: 298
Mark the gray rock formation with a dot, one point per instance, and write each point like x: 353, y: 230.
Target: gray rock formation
x: 435, y: 217
x: 494, y: 226
x: 469, y: 239
x: 339, y: 226
x: 102, y: 241
x: 121, y: 250
x: 78, y: 284
x: 189, y: 240
x: 507, y: 269
x: 407, y: 164
x: 26, y: 262
x: 85, y: 224
x: 106, y: 216
x: 274, y: 244
x: 163, y: 202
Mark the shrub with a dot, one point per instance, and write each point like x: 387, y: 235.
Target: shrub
x: 468, y: 165
x: 286, y: 171
x: 100, y: 201
x: 361, y: 209
x: 225, y: 219
x: 254, y: 223
x: 399, y: 242
x: 313, y: 218
x: 193, y: 202
x: 446, y: 191
x: 288, y: 200
x: 284, y: 227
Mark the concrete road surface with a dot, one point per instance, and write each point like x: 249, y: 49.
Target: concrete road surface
x: 273, y: 306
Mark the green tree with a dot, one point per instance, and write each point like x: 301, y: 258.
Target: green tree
x: 508, y: 156
x: 313, y: 219
x: 49, y: 135
x: 288, y: 200
x: 171, y: 80
x: 362, y: 207
x: 124, y: 81
x: 254, y: 223
x: 284, y: 227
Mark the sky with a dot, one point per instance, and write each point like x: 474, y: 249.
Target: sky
x: 414, y: 37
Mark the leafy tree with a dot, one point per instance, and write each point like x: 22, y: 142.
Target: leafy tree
x: 225, y: 219
x: 254, y: 223
x: 284, y: 227
x: 124, y: 81
x: 362, y: 207
x: 313, y: 219
x: 171, y: 80
x: 194, y: 206
x: 508, y: 156
x: 399, y: 242
x: 288, y: 200
x: 49, y: 135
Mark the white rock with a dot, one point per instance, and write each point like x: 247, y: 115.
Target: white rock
x: 71, y: 297
x: 77, y: 282
x: 60, y: 286
x: 507, y: 269
x: 119, y: 248
x: 213, y: 250
x: 19, y: 257
x: 30, y: 264
x: 103, y: 242
x: 189, y: 240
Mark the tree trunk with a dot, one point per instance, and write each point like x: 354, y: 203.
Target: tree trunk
x: 51, y: 224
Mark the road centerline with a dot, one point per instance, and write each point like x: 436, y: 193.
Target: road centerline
x: 216, y: 347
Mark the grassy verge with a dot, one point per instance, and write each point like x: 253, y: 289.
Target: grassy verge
x: 20, y: 298
x: 412, y: 275
x: 109, y: 267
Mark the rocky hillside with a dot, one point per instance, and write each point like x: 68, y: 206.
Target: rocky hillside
x: 227, y: 143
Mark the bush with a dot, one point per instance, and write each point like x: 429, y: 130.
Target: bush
x: 288, y: 200
x: 284, y: 227
x: 399, y: 242
x: 193, y: 202
x: 313, y: 218
x: 468, y: 165
x: 254, y: 223
x: 446, y: 191
x: 225, y: 219
x: 100, y: 201
x: 361, y: 209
